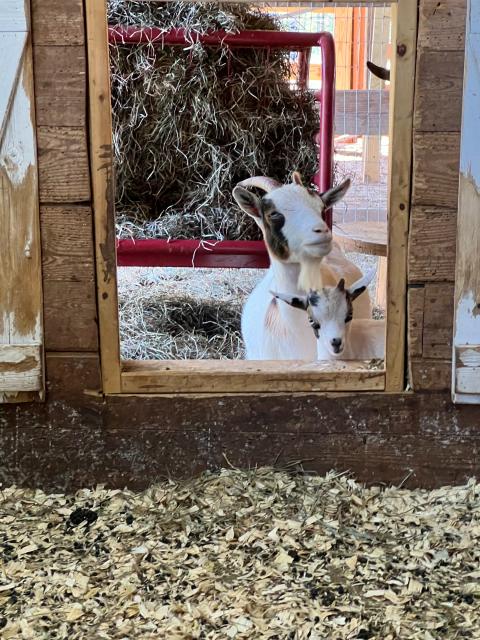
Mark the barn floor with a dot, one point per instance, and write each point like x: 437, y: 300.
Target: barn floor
x: 258, y: 554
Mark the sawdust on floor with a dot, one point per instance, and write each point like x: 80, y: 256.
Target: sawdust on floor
x: 259, y: 554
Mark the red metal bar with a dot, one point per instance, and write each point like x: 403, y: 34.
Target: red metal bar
x: 245, y: 254
x: 253, y: 253
x: 292, y: 40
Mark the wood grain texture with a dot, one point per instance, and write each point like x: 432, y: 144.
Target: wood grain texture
x: 63, y: 165
x: 21, y: 320
x: 438, y: 321
x: 100, y: 121
x: 431, y: 245
x: 435, y: 169
x: 416, y: 304
x: 76, y: 442
x: 220, y: 376
x: 20, y: 368
x: 67, y: 243
x: 430, y: 318
x: 58, y: 22
x: 74, y: 377
x: 60, y: 86
x: 438, y: 93
x: 426, y: 374
x: 442, y: 25
x: 70, y: 316
x: 404, y: 21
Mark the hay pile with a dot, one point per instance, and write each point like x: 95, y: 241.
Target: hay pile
x: 183, y: 314
x: 189, y: 124
x: 258, y: 554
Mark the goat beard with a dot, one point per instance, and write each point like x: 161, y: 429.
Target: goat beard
x: 316, y: 273
x: 310, y: 276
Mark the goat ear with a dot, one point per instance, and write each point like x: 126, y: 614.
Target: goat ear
x: 297, y: 178
x: 299, y: 302
x: 335, y: 194
x: 248, y: 202
x: 359, y: 286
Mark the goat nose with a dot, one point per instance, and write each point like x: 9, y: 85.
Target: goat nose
x: 321, y: 229
x: 336, y: 344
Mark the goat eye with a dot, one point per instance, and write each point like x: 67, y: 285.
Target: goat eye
x: 276, y: 216
x: 348, y: 318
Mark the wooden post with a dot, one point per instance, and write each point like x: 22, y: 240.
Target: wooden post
x: 466, y: 339
x: 103, y: 191
x: 404, y: 23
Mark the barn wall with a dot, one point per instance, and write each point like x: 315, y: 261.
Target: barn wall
x: 78, y: 437
x: 433, y: 226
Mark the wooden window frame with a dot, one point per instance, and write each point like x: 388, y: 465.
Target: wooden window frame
x: 237, y: 376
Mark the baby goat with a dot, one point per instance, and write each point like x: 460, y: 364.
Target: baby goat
x: 330, y: 314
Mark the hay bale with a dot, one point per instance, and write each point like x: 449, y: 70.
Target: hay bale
x: 189, y: 124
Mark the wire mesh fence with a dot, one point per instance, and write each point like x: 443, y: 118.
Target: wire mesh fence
x: 362, y: 100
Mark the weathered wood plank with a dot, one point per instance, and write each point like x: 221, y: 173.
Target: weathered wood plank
x: 100, y: 120
x: 442, y: 25
x: 70, y: 316
x: 362, y: 112
x: 466, y: 386
x: 73, y: 442
x: 467, y: 374
x: 438, y: 321
x: 20, y: 275
x: 431, y: 246
x: 60, y: 86
x: 20, y: 368
x: 74, y: 377
x: 58, y: 22
x: 220, y: 376
x: 63, y: 164
x: 416, y: 303
x: 435, y: 169
x: 400, y: 164
x: 14, y: 16
x: 426, y: 374
x: 438, y: 93
x: 67, y: 243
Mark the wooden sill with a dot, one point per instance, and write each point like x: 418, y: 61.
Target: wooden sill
x: 239, y: 376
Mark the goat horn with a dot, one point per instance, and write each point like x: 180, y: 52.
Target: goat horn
x: 262, y: 182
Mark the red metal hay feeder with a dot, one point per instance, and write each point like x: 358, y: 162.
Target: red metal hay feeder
x: 235, y: 254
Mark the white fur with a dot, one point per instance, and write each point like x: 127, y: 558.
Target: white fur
x: 337, y: 339
x: 283, y: 333
x: 365, y: 340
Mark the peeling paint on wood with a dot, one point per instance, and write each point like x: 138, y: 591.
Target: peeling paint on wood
x: 20, y: 368
x: 466, y: 342
x: 20, y: 271
x: 13, y: 16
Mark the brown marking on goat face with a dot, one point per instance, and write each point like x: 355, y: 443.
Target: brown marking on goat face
x: 273, y: 222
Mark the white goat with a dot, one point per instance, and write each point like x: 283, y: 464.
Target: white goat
x: 330, y: 313
x: 302, y: 257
